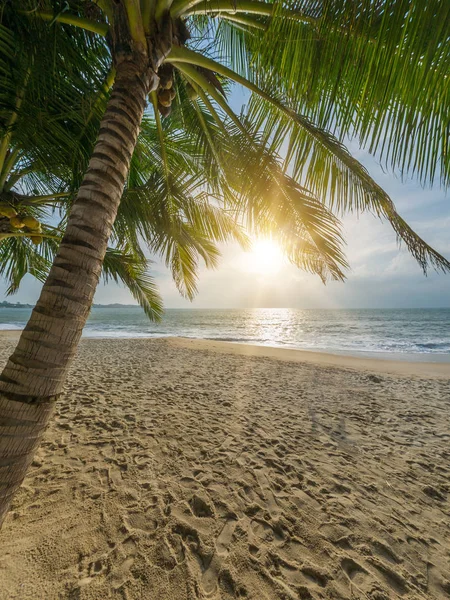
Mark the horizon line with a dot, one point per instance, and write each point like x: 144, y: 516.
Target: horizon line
x: 128, y: 305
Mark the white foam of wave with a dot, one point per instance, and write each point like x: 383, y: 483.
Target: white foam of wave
x: 122, y: 334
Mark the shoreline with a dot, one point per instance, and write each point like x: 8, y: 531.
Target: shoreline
x: 379, y: 365
x: 407, y: 366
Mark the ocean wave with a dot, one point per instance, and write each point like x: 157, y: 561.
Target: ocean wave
x: 417, y: 334
x: 445, y: 346
x: 120, y: 333
x: 235, y: 339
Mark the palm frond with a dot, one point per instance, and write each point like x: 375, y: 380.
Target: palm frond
x: 20, y: 257
x: 132, y: 270
x: 328, y: 169
x: 374, y: 70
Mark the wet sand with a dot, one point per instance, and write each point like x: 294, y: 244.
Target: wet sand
x: 183, y: 469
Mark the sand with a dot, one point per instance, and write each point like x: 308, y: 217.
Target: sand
x: 180, y: 470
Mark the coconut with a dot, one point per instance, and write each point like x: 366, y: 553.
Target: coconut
x: 16, y: 223
x: 164, y: 110
x: 165, y: 75
x: 7, y: 211
x: 36, y: 239
x: 31, y: 222
x: 164, y: 97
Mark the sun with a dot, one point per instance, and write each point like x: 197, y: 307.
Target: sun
x: 264, y: 258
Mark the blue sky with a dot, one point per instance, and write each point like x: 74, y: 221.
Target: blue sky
x: 381, y: 275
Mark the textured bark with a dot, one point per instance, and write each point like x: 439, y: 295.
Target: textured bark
x: 21, y: 428
x: 35, y: 373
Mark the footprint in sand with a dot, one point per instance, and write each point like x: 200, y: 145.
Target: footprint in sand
x: 140, y: 521
x: 121, y: 573
x: 359, y: 578
x: 393, y: 579
x: 190, y: 483
x: 264, y: 531
x: 164, y: 557
x: 315, y: 575
x: 354, y: 571
x: 210, y: 578
x: 114, y: 477
x: 385, y: 551
x: 97, y: 567
x: 263, y: 482
x: 298, y: 576
x: 200, y: 507
x: 224, y: 538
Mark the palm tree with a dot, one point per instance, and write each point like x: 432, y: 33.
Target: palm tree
x: 43, y: 172
x: 46, y: 154
x: 316, y: 72
x: 45, y: 164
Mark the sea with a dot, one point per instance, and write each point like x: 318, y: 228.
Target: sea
x: 408, y: 334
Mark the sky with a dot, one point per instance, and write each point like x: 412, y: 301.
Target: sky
x: 381, y: 275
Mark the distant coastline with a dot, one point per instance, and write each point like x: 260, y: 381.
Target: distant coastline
x: 21, y: 305
x: 5, y: 304
x: 15, y: 305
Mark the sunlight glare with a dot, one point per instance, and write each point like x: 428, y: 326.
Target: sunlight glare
x: 265, y: 257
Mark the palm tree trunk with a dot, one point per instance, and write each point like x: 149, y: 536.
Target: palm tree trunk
x: 35, y: 373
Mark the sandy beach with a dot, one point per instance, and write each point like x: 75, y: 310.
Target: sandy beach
x: 184, y: 469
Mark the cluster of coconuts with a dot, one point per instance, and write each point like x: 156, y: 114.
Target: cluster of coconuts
x: 27, y: 222
x: 166, y: 92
